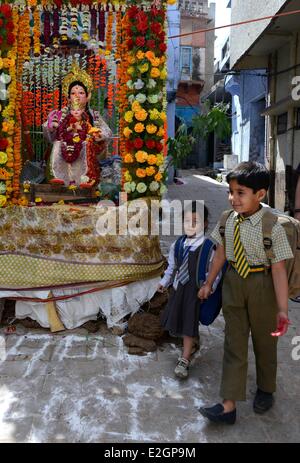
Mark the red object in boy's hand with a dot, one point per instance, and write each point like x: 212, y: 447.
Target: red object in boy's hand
x: 282, y: 326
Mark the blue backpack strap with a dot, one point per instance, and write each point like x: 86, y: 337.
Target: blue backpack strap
x: 203, y: 261
x: 178, y: 251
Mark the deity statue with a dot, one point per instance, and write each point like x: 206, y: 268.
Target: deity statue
x: 79, y: 134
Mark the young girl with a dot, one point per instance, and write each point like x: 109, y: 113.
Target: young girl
x: 181, y: 316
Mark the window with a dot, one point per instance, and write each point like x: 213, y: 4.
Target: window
x: 186, y: 63
x: 282, y: 123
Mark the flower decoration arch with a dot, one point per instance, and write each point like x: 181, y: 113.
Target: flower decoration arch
x: 124, y: 46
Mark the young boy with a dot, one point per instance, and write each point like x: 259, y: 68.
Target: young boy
x: 255, y: 293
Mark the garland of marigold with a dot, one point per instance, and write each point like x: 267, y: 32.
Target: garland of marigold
x: 144, y: 115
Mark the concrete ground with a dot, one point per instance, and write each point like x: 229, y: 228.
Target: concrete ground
x: 80, y: 387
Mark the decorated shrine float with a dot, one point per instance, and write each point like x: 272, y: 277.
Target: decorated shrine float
x: 82, y: 119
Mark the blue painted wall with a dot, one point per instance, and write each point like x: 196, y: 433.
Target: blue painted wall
x: 248, y: 91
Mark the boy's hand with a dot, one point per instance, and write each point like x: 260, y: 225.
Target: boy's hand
x: 282, y: 324
x: 160, y: 288
x: 205, y: 291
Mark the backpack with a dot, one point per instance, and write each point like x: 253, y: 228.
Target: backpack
x: 210, y: 308
x: 292, y: 230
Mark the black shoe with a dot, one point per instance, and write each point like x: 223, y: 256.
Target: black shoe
x: 217, y: 415
x: 263, y: 401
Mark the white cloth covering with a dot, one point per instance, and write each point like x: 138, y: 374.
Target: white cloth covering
x: 114, y: 303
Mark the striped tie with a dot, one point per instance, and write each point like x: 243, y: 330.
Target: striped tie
x: 183, y: 273
x: 241, y: 264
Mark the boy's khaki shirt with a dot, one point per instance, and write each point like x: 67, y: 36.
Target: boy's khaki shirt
x: 252, y: 240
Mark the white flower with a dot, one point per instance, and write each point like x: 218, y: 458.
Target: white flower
x: 153, y: 99
x: 139, y: 84
x: 131, y: 99
x: 151, y: 83
x: 141, y: 187
x: 129, y: 187
x: 129, y: 84
x: 84, y: 179
x: 154, y: 186
x: 2, y: 188
x: 141, y: 98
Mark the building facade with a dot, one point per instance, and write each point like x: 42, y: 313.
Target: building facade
x: 274, y: 46
x: 196, y: 64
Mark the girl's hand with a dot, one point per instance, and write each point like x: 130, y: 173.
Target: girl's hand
x: 205, y: 291
x: 282, y: 324
x: 160, y: 288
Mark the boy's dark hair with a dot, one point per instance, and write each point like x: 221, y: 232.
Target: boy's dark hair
x: 250, y: 174
x: 193, y: 208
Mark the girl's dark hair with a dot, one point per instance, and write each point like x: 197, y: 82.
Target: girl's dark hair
x: 193, y: 208
x: 250, y: 174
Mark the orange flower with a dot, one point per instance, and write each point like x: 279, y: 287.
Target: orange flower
x: 128, y: 158
x: 158, y: 176
x: 141, y: 173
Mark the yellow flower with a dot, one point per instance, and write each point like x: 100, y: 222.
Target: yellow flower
x: 141, y: 115
x: 130, y: 70
x: 128, y: 116
x: 143, y: 67
x: 127, y: 132
x: 2, y: 200
x: 150, y: 171
x: 158, y: 176
x: 163, y: 74
x: 76, y: 139
x: 155, y: 72
x: 139, y: 127
x: 152, y: 159
x: 160, y: 160
x: 154, y: 114
x: 136, y: 106
x: 71, y: 187
x: 161, y: 132
x: 128, y: 158
x: 107, y: 52
x: 127, y: 176
x: 141, y: 173
x: 151, y: 128
x: 3, y: 157
x: 163, y: 116
x: 141, y: 156
x: 38, y: 200
x: 172, y: 2
x: 140, y: 54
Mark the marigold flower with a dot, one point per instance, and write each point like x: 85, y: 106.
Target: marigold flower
x: 151, y: 128
x: 139, y: 127
x: 141, y: 156
x: 141, y: 173
x: 155, y: 72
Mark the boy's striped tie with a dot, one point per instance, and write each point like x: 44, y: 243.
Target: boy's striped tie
x: 241, y: 264
x: 183, y: 273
